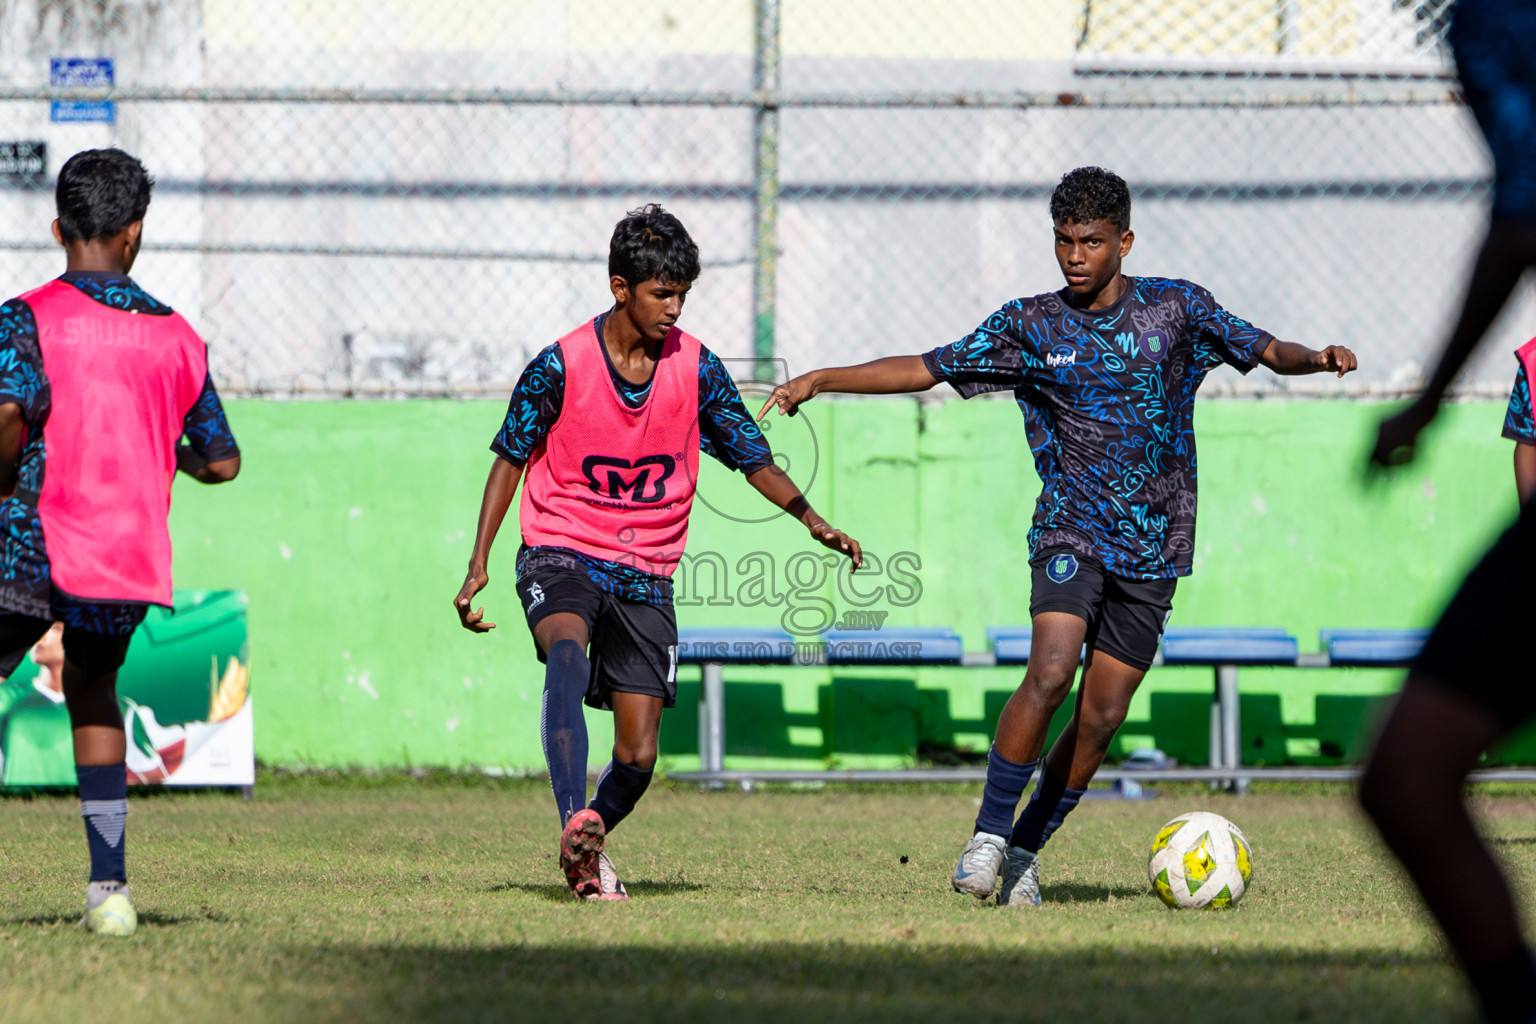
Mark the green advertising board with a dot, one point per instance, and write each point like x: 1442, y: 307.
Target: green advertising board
x: 184, y: 691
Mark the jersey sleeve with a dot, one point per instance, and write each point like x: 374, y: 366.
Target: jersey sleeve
x: 727, y: 432
x: 21, y: 362
x: 1221, y: 336
x: 1000, y: 355
x: 207, y: 427
x: 1520, y: 420
x: 534, y: 408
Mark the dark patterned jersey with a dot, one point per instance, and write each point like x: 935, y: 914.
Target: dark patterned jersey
x: 25, y: 580
x: 1108, y: 402
x: 1519, y: 421
x: 727, y: 432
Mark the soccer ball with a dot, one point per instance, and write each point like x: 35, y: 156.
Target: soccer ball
x: 1200, y: 859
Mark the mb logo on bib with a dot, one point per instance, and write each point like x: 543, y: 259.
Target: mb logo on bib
x: 644, y: 480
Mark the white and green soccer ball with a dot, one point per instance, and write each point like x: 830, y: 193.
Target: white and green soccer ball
x: 1200, y: 859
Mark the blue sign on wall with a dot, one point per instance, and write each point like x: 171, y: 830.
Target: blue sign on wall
x: 82, y: 73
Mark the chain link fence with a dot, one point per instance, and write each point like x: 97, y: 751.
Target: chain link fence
x: 414, y: 196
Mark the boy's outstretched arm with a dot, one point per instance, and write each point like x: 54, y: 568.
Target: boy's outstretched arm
x: 775, y: 485
x: 893, y: 375
x: 1290, y: 359
x: 1507, y: 250
x: 500, y: 488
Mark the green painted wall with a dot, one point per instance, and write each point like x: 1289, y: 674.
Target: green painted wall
x: 351, y: 524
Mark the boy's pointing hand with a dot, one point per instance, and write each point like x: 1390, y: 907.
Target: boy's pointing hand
x: 789, y: 396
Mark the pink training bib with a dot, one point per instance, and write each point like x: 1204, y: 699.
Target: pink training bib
x: 1527, y: 355
x: 612, y: 482
x: 122, y: 384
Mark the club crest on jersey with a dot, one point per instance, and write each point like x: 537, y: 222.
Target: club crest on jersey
x: 1061, y: 568
x: 643, y: 481
x: 1154, y: 345
x: 1055, y: 360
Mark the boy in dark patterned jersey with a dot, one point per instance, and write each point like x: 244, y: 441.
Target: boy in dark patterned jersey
x: 1520, y: 423
x: 1471, y: 687
x: 603, y: 431
x: 83, y: 536
x: 1105, y: 372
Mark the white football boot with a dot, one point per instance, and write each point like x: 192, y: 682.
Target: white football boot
x: 979, y: 862
x: 1021, y: 879
x: 609, y: 886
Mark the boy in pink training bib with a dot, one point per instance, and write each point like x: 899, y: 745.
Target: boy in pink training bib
x: 98, y: 384
x: 604, y: 431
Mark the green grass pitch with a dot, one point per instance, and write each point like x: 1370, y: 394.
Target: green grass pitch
x: 391, y: 899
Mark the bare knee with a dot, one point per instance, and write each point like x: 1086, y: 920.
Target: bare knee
x: 1047, y: 682
x: 641, y: 755
x: 1098, y: 724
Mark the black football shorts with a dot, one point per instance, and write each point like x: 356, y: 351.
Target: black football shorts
x: 1479, y: 647
x: 94, y: 654
x: 633, y: 644
x: 1125, y: 617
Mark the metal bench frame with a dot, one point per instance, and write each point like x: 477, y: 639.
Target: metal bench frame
x: 1224, y: 649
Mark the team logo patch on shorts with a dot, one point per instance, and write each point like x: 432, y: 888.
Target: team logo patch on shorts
x: 1061, y: 568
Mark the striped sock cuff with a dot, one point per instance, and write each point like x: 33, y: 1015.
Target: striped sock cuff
x: 108, y: 817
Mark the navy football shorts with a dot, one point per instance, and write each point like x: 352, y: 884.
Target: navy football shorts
x: 633, y: 644
x: 1125, y: 617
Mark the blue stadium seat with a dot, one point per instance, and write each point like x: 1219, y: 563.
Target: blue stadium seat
x: 895, y: 645
x: 735, y: 645
x: 1378, y: 648
x: 1228, y: 645
x: 1010, y: 644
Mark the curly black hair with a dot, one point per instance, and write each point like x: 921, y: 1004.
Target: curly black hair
x: 1092, y: 193
x: 650, y: 243
x: 101, y: 192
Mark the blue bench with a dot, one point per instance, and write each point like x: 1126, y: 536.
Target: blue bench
x: 714, y: 648
x: 897, y: 645
x: 1225, y: 649
x: 1372, y: 648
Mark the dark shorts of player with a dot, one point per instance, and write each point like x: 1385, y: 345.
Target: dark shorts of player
x: 1125, y: 617
x: 1481, y: 646
x: 633, y: 644
x: 94, y: 654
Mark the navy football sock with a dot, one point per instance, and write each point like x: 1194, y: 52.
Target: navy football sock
x: 619, y: 788
x: 104, y: 806
x: 1006, y: 781
x: 1048, y: 807
x: 562, y: 727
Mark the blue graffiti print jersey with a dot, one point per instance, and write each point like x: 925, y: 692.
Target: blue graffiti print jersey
x: 1108, y: 400
x: 727, y: 432
x: 1519, y: 421
x: 25, y: 581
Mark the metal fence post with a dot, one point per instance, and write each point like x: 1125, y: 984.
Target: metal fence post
x: 765, y: 190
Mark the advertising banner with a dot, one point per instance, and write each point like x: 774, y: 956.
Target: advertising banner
x: 184, y: 692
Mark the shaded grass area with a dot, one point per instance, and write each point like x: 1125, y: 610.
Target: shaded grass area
x: 432, y: 899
